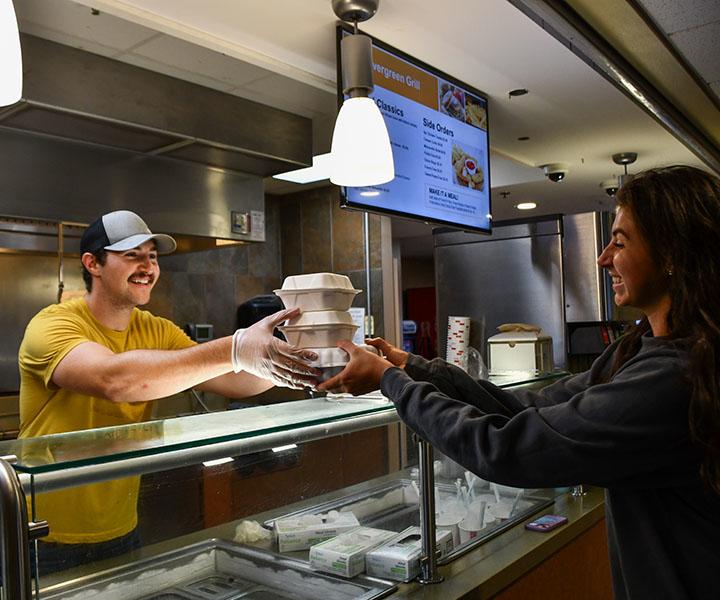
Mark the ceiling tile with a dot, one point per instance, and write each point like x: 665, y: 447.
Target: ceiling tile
x: 159, y: 67
x: 672, y: 15
x: 191, y: 57
x: 73, y: 24
x: 701, y: 49
x: 300, y: 94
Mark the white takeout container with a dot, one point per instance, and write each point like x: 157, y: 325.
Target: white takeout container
x: 331, y: 361
x: 317, y: 291
x: 313, y: 281
x: 321, y: 329
x: 317, y: 299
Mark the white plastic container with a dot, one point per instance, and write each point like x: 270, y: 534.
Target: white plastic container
x: 313, y: 281
x: 321, y: 329
x: 317, y: 299
x: 317, y: 291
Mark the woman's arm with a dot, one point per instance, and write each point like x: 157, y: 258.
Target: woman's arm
x: 628, y: 432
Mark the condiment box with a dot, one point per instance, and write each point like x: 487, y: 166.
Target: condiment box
x: 299, y: 533
x: 399, y: 558
x: 520, y: 351
x: 344, y: 555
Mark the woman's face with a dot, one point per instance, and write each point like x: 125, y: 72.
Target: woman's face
x: 637, y: 279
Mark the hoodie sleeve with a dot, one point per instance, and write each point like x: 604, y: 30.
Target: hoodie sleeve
x: 620, y: 433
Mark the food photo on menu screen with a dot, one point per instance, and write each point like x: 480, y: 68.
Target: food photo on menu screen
x: 439, y: 139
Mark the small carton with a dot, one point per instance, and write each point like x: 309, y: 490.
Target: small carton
x: 399, y: 558
x: 301, y: 532
x: 345, y: 554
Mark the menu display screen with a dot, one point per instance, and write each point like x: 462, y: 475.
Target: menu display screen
x: 438, y: 130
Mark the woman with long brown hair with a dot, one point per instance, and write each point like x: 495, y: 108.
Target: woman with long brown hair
x: 643, y: 422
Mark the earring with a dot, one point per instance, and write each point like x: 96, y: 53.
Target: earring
x: 669, y: 272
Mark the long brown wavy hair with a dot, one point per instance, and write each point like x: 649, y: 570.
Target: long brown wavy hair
x: 677, y: 210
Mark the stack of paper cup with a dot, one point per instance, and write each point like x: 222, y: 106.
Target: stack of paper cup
x: 458, y: 339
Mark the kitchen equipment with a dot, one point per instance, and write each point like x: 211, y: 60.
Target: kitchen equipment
x: 215, y: 569
x: 200, y: 332
x: 256, y: 308
x: 520, y: 351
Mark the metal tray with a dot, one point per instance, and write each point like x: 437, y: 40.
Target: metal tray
x: 216, y: 570
x: 398, y: 512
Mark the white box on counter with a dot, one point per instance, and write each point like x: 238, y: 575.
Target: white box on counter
x: 301, y: 532
x: 399, y: 558
x: 344, y: 555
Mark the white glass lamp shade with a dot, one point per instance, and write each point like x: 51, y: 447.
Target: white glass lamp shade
x: 10, y: 57
x: 361, y: 153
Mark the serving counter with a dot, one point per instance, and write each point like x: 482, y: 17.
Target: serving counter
x: 204, y: 475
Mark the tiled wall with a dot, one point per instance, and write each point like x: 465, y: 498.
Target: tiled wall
x: 316, y: 235
x: 306, y: 232
x: 208, y: 286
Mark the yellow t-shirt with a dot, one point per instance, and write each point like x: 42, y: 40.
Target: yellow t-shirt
x: 102, y: 511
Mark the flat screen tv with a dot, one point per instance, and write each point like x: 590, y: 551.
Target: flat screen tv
x: 438, y: 130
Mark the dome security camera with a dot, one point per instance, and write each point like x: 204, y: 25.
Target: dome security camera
x: 611, y: 186
x: 555, y: 172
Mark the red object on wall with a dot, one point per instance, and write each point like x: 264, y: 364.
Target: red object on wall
x: 420, y: 307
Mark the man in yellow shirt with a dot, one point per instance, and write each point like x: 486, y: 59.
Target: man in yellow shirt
x: 96, y: 361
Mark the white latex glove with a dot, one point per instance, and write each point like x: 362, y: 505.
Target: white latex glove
x: 256, y: 351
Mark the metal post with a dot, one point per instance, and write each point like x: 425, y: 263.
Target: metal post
x: 14, y: 535
x: 428, y: 562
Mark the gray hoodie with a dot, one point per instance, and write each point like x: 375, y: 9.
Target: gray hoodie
x: 629, y: 436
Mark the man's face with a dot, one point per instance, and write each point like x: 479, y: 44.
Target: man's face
x: 637, y: 279
x: 130, y: 276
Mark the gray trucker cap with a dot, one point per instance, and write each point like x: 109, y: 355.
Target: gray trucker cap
x: 122, y: 230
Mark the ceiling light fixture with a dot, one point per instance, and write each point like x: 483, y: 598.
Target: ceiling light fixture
x: 526, y: 205
x: 10, y: 56
x: 361, y: 152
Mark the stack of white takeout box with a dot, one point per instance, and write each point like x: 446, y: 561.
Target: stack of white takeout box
x: 324, y: 299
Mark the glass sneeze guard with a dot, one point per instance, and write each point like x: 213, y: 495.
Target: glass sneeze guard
x: 109, y: 444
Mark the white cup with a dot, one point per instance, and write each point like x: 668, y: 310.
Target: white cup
x: 449, y: 521
x: 468, y: 530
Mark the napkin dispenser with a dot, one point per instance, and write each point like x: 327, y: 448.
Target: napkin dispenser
x: 527, y: 349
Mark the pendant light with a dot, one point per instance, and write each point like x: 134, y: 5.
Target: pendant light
x: 10, y: 57
x: 361, y: 152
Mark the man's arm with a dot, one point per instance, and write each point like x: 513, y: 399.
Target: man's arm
x: 236, y: 385
x: 141, y: 375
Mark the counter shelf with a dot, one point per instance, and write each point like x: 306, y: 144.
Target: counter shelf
x: 71, y: 459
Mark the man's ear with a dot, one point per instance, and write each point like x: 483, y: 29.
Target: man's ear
x: 90, y: 262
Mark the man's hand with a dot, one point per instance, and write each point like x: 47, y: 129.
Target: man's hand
x: 255, y: 350
x: 361, y: 375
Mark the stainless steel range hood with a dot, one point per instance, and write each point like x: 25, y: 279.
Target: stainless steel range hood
x: 82, y: 96
x: 93, y: 135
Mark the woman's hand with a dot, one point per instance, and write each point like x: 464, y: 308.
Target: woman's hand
x: 361, y: 375
x: 396, y: 356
